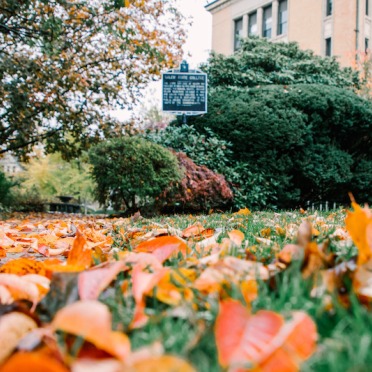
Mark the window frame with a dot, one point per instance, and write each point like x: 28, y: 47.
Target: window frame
x: 250, y: 15
x: 329, y: 8
x: 280, y: 30
x: 264, y: 30
x: 237, y: 33
x: 328, y: 47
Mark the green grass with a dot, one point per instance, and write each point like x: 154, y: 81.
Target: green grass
x: 345, y: 334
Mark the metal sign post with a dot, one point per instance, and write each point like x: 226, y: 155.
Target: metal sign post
x: 184, y: 91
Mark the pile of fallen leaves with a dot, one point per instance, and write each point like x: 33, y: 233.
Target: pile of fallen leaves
x: 86, y: 294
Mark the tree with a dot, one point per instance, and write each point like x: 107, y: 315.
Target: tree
x: 50, y: 176
x: 260, y: 62
x: 130, y: 170
x: 65, y: 64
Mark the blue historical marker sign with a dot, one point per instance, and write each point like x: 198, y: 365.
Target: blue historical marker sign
x: 185, y: 93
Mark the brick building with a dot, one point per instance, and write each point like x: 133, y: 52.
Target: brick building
x: 329, y: 27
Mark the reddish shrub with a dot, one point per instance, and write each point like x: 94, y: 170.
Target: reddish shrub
x: 199, y: 190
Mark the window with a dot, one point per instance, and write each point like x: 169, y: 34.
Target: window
x: 329, y: 8
x: 367, y: 7
x: 283, y: 17
x: 252, y: 24
x: 366, y: 45
x: 238, y: 33
x: 328, y: 47
x: 267, y: 22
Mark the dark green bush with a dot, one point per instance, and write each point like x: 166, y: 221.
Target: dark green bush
x: 131, y: 171
x: 6, y: 195
x: 312, y: 141
x: 204, y: 149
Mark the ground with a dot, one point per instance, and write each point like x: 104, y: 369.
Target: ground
x: 208, y: 293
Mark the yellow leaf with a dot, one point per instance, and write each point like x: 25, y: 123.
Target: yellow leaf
x: 243, y: 212
x: 359, y: 226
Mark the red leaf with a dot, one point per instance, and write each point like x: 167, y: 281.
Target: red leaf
x: 262, y: 340
x: 163, y: 247
x: 92, y: 282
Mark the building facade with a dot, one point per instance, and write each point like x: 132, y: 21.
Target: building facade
x: 10, y: 165
x: 340, y: 28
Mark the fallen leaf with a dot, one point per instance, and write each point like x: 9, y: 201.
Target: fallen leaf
x: 35, y: 362
x: 13, y: 327
x: 92, y: 321
x: 163, y: 247
x: 165, y: 363
x: 358, y: 225
x: 92, y: 282
x: 243, y: 212
x: 262, y: 341
x: 80, y: 254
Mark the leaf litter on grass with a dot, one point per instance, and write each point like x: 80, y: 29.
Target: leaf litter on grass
x: 237, y: 292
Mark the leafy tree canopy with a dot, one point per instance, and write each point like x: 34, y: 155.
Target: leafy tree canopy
x: 65, y: 64
x: 261, y: 62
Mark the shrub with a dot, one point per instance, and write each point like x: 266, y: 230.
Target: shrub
x: 6, y: 195
x: 199, y: 190
x: 29, y: 201
x: 131, y: 171
x: 255, y: 190
x: 203, y: 148
x: 311, y: 141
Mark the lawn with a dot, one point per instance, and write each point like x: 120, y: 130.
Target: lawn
x: 277, y: 291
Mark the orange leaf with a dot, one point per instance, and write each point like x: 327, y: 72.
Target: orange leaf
x: 241, y: 337
x: 142, y: 283
x: 237, y: 237
x: 80, y: 254
x: 92, y: 321
x: 243, y: 212
x: 92, y: 282
x: 163, y: 247
x: 20, y: 288
x: 32, y: 362
x: 263, y: 340
x: 165, y: 363
x: 13, y: 327
x: 23, y: 266
x: 193, y: 230
x: 359, y: 226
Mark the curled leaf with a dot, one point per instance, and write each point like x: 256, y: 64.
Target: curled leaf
x: 92, y: 321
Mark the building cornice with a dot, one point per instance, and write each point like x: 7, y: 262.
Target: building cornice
x: 217, y: 5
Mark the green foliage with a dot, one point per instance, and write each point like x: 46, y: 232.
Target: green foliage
x: 28, y: 200
x: 254, y: 189
x: 203, y: 148
x: 50, y: 176
x: 6, y: 195
x: 130, y: 170
x: 261, y: 62
x: 308, y: 141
